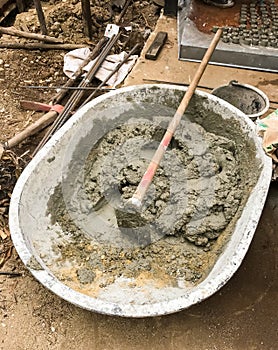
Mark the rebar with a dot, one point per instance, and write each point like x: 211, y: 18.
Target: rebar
x: 111, y: 74
x: 77, y: 74
x: 77, y: 95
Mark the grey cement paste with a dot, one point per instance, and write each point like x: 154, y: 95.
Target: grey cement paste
x: 186, y: 219
x: 248, y: 100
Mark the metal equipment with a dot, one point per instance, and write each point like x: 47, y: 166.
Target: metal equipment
x: 250, y: 33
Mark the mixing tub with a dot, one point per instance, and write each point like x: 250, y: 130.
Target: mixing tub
x: 82, y: 275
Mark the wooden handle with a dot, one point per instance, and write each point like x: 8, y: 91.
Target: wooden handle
x: 137, y: 198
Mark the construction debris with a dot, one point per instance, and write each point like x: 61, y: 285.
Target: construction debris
x: 35, y: 36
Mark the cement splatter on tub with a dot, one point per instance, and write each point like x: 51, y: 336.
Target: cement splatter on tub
x: 188, y: 215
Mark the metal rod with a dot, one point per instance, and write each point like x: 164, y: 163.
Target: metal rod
x: 12, y: 274
x: 111, y: 74
x: 41, y: 17
x: 65, y: 87
x: 77, y: 95
x: 77, y: 74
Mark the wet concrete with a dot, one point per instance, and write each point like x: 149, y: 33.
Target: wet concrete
x: 183, y: 209
x: 241, y: 316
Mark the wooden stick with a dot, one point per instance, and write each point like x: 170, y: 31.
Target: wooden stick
x: 41, y: 17
x: 138, y: 196
x: 20, y: 33
x: 40, y: 46
x: 32, y: 129
x: 87, y: 18
x: 123, y: 11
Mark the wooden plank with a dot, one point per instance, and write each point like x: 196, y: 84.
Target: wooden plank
x: 156, y: 46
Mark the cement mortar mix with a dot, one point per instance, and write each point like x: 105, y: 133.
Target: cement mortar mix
x: 197, y: 194
x: 189, y: 214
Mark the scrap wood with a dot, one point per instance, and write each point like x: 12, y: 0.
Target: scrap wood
x: 41, y: 17
x: 32, y: 129
x: 40, y: 46
x: 23, y: 34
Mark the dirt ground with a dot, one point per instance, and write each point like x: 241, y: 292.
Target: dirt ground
x: 243, y: 315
